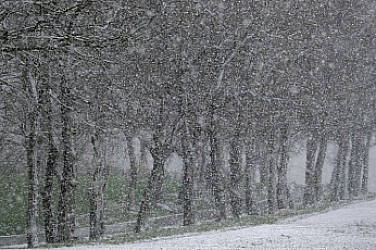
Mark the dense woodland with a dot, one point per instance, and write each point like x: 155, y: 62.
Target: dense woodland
x: 220, y: 83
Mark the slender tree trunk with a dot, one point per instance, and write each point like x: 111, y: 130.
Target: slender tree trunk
x: 154, y: 191
x: 271, y: 171
x: 308, y: 198
x: 187, y: 149
x: 339, y: 170
x: 150, y: 190
x: 33, y: 185
x: 47, y: 196
x: 96, y: 190
x: 135, y: 163
x: 235, y: 177
x: 31, y: 135
x: 264, y: 171
x: 249, y: 174
x: 359, y: 164
x: 344, y: 173
x: 217, y: 180
x: 354, y: 166
x: 365, y: 160
x: 319, y: 166
x: 66, y: 224
x: 283, y: 200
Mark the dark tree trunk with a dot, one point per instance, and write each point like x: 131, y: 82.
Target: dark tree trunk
x: 235, y: 177
x: 365, y: 160
x: 96, y: 190
x: 336, y: 182
x: 187, y: 143
x: 66, y: 224
x: 308, y: 197
x: 216, y: 175
x: 283, y: 197
x: 135, y: 163
x: 188, y: 179
x: 264, y: 180
x: 158, y: 192
x: 249, y: 177
x: 354, y: 185
x: 47, y: 196
x: 149, y: 192
x: 33, y: 184
x: 323, y: 143
x: 271, y: 165
x: 344, y: 176
x: 154, y: 191
x: 31, y: 126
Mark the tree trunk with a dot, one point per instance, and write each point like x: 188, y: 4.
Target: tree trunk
x: 216, y: 174
x: 339, y: 169
x: 235, y: 177
x: 148, y: 197
x: 264, y: 171
x: 271, y: 165
x: 47, y: 196
x: 308, y: 198
x: 135, y: 163
x: 154, y: 191
x: 365, y: 160
x: 66, y: 224
x: 33, y: 184
x: 96, y: 190
x: 283, y: 197
x: 187, y: 149
x: 319, y: 166
x: 31, y: 134
x: 354, y: 185
x: 249, y: 174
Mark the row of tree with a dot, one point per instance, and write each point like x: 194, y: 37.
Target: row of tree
x: 220, y: 83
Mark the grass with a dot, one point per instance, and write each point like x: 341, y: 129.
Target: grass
x: 13, y: 200
x: 231, y: 223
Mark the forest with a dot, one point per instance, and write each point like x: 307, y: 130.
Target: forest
x: 228, y: 86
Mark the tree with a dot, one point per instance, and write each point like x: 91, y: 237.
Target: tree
x: 31, y: 127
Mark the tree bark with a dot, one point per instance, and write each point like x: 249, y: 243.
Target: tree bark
x: 249, y: 174
x: 96, y: 190
x: 154, y: 191
x: 187, y: 149
x: 216, y: 157
x: 336, y: 182
x: 31, y: 127
x: 49, y: 218
x: 235, y: 177
x: 308, y: 197
x: 365, y: 162
x: 66, y: 224
x: 33, y: 187
x: 271, y: 165
x: 323, y: 143
x: 135, y: 163
x: 354, y: 185
x: 53, y: 154
x: 283, y: 196
x: 149, y: 193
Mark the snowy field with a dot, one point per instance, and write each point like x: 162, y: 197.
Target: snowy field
x: 350, y: 227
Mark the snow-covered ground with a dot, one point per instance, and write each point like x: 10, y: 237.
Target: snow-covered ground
x: 350, y: 227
